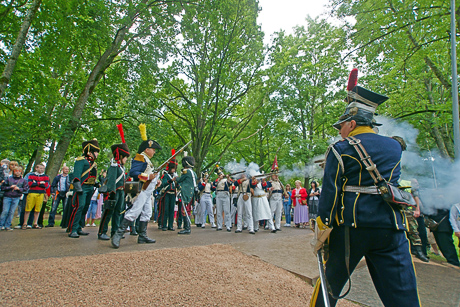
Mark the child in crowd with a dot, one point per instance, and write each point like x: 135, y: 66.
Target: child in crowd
x: 91, y: 215
x: 13, y: 187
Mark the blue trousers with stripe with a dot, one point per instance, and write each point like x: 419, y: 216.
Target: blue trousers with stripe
x: 388, y: 259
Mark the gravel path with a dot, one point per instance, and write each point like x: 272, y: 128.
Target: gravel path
x: 214, y: 275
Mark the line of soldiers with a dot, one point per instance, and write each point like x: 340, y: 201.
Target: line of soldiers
x: 255, y: 199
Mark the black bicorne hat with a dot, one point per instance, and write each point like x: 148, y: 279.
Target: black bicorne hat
x: 90, y: 146
x: 362, y: 104
x: 148, y: 144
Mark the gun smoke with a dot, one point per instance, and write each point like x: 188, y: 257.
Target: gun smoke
x: 437, y: 176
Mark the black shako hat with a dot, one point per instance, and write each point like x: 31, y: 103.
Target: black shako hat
x: 188, y: 161
x: 120, y: 150
x: 90, y: 146
x: 362, y: 104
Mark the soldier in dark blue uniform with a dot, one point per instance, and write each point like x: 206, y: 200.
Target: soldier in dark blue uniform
x: 116, y: 179
x: 84, y: 181
x: 359, y: 222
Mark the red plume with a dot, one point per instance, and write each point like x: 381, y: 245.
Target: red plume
x: 352, y: 79
x: 122, y: 134
x: 173, y: 152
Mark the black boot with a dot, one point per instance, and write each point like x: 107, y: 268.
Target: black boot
x: 133, y: 230
x: 103, y: 236
x: 143, y: 234
x: 186, y: 230
x: 419, y: 254
x: 119, y: 233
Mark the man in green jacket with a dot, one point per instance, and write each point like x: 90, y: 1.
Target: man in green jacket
x: 188, y: 184
x: 116, y: 195
x: 85, y: 173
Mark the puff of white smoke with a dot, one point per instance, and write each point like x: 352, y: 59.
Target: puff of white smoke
x: 310, y: 170
x: 437, y: 176
x: 233, y: 167
x: 253, y: 169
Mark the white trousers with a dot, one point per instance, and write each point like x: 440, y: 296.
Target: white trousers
x: 276, y: 206
x: 206, y: 208
x: 143, y: 204
x: 244, y: 209
x: 223, y: 205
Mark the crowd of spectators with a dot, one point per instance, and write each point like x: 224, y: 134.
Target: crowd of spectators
x: 29, y: 193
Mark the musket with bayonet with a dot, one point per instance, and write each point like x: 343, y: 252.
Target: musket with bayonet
x: 233, y: 174
x: 264, y: 175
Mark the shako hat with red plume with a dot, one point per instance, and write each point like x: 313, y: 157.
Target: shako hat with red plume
x: 172, y: 164
x: 362, y: 103
x: 120, y: 150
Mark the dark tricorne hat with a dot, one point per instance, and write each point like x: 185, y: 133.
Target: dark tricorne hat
x: 362, y: 104
x: 188, y: 161
x: 90, y: 146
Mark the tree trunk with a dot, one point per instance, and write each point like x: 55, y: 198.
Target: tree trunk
x: 96, y: 74
x: 9, y: 68
x: 31, y: 161
x: 439, y: 141
x: 38, y: 157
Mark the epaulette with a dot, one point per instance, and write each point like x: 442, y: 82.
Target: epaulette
x: 336, y: 154
x: 401, y: 142
x: 80, y: 158
x: 113, y: 164
x: 139, y: 157
x: 184, y: 171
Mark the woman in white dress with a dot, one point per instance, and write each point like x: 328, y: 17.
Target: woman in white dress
x: 260, y: 206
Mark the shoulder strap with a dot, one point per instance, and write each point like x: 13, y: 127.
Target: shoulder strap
x: 336, y: 154
x: 194, y: 180
x: 365, y: 159
x: 88, y: 170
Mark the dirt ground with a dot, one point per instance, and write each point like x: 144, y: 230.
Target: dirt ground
x: 213, y: 275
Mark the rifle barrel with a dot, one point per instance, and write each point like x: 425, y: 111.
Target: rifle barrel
x: 159, y: 168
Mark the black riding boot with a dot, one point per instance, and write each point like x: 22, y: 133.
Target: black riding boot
x: 143, y: 234
x: 186, y: 230
x: 419, y: 254
x: 119, y: 233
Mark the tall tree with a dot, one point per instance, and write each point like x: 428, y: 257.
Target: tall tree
x: 20, y: 40
x: 216, y: 64
x: 134, y: 21
x: 404, y: 49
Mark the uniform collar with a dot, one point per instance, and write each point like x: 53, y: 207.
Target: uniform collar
x: 360, y: 130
